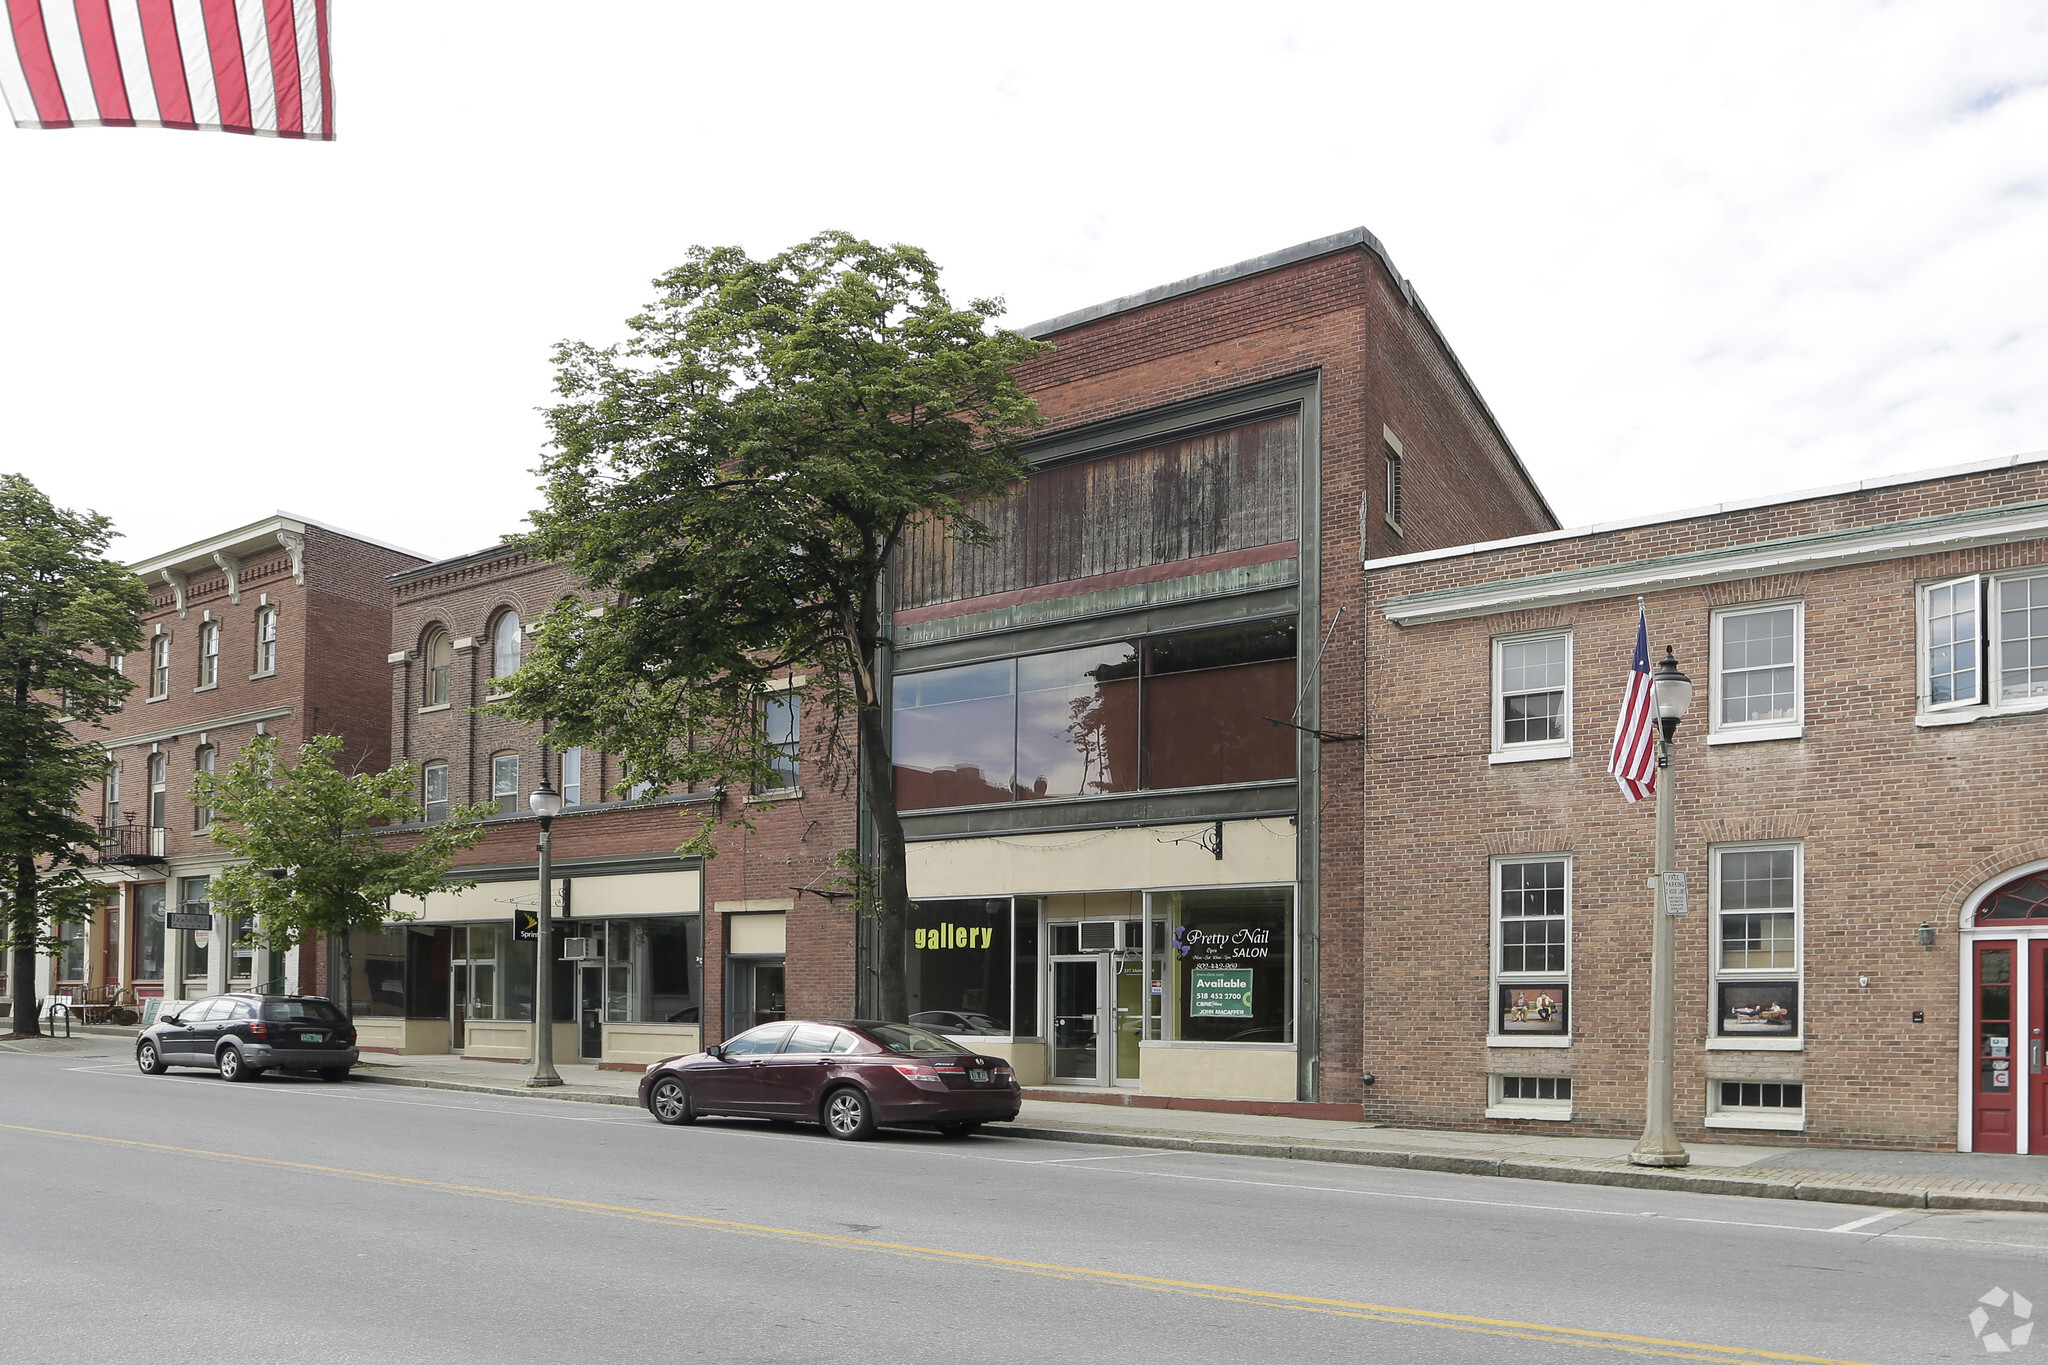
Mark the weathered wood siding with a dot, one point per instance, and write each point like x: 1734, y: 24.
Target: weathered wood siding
x: 1233, y: 489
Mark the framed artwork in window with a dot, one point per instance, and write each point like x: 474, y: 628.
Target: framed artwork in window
x: 1542, y: 1009
x: 1758, y: 1009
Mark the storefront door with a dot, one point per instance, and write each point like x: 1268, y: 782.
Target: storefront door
x: 1098, y: 1010
x: 1077, y: 1025
x: 590, y: 1010
x: 2036, y: 1016
x: 473, y: 981
x: 1999, y: 1056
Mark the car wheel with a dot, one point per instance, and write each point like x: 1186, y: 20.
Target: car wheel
x: 333, y: 1073
x: 849, y: 1114
x: 670, y: 1101
x: 148, y: 1060
x: 233, y: 1068
x: 959, y: 1130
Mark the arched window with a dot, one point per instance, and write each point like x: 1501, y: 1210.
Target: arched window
x: 440, y: 656
x: 505, y: 646
x: 2025, y: 899
x: 160, y: 666
x: 209, y: 654
x: 266, y: 640
x: 505, y: 783
x: 434, y: 792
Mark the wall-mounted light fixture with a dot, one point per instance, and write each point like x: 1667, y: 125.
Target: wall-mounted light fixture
x: 1926, y: 935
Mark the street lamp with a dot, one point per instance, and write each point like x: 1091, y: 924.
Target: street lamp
x: 547, y: 804
x: 1670, y: 699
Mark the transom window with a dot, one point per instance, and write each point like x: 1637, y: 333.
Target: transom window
x: 1984, y: 642
x: 1757, y: 909
x: 2025, y: 899
x: 1532, y: 695
x: 1758, y: 657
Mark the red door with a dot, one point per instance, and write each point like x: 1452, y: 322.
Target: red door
x: 2037, y: 1074
x: 1999, y: 1053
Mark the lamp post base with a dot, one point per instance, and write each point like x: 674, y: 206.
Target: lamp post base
x: 1640, y: 1157
x: 538, y: 1082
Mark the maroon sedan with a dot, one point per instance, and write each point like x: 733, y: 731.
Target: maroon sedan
x: 853, y: 1077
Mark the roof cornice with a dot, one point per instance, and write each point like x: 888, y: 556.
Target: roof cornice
x: 1828, y: 549
x: 245, y: 540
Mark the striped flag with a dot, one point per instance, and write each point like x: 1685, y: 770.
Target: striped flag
x: 234, y: 66
x: 1633, y: 760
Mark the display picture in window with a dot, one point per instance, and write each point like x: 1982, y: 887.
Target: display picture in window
x: 1759, y: 1009
x: 1540, y: 1009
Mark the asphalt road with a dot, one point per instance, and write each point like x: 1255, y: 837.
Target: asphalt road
x: 182, y: 1218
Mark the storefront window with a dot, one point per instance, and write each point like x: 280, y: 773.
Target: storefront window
x: 241, y: 952
x: 71, y: 961
x: 958, y: 966
x: 1025, y: 914
x: 1087, y: 722
x: 1232, y: 972
x: 377, y: 973
x: 651, y: 970
x: 149, y: 931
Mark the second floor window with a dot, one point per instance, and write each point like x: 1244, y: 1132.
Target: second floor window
x: 266, y: 640
x: 209, y: 654
x: 113, y: 795
x: 780, y: 717
x: 119, y: 663
x: 434, y: 792
x: 159, y: 789
x: 505, y: 646
x: 1757, y: 665
x: 572, y: 777
x: 1984, y: 642
x: 160, y: 666
x: 505, y: 783
x: 202, y: 762
x: 1532, y: 696
x: 440, y: 658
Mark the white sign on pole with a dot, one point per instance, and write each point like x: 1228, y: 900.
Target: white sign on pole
x: 1674, y: 894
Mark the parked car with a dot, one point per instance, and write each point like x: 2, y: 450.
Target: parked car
x: 852, y: 1076
x: 957, y: 1021
x: 244, y: 1035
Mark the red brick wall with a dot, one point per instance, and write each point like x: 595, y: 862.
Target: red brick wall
x: 1898, y: 825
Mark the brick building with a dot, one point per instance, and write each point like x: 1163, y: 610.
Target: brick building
x: 1863, y: 758
x: 657, y: 954
x: 1124, y: 871
x: 272, y: 628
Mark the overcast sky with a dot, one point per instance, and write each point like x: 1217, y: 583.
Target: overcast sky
x: 1687, y: 257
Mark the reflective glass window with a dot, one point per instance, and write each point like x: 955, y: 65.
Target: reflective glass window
x: 1077, y: 722
x: 955, y: 736
x: 1207, y: 699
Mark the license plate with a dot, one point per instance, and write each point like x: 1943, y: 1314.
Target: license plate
x: 312, y: 1037
x: 978, y: 1077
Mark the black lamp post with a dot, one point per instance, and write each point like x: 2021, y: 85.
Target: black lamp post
x: 547, y: 804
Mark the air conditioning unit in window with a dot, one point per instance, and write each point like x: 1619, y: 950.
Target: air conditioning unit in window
x: 578, y: 949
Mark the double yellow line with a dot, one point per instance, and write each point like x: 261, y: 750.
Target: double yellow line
x: 1301, y: 1303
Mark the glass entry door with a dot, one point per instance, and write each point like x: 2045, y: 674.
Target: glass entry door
x: 473, y: 980
x: 1098, y: 1001
x: 590, y: 1010
x: 1077, y: 1030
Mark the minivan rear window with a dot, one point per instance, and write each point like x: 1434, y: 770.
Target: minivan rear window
x: 913, y: 1041
x: 301, y: 1012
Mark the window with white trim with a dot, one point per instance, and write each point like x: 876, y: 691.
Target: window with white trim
x: 572, y: 776
x: 440, y: 669
x: 1984, y: 644
x: 779, y: 721
x: 505, y: 646
x: 1532, y: 950
x: 160, y: 667
x: 266, y: 640
x: 505, y: 783
x: 202, y: 762
x: 1756, y: 1104
x: 434, y: 792
x: 1758, y: 671
x: 1532, y: 696
x: 1758, y: 908
x: 209, y: 654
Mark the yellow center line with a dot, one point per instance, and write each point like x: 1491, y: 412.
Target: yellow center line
x: 1417, y: 1317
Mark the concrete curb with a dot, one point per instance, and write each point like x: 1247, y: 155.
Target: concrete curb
x: 1749, y: 1182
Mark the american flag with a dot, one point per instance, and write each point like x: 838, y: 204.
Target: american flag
x: 235, y: 66
x: 1633, y: 760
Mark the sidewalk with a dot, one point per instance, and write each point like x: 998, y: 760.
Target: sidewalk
x: 1930, y: 1180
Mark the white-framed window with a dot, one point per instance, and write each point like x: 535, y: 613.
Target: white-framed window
x: 781, y: 718
x: 436, y: 677
x: 505, y: 783
x: 1759, y: 673
x: 159, y: 790
x: 1779, y: 1105
x: 1532, y: 696
x: 112, y: 803
x: 119, y: 663
x: 434, y: 792
x: 209, y: 654
x: 266, y: 640
x: 1529, y: 1097
x: 1983, y: 645
x: 1758, y: 960
x: 505, y: 643
x: 202, y: 762
x: 1532, y: 937
x: 160, y: 668
x: 572, y: 777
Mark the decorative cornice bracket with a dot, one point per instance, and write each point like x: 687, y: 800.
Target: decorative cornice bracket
x: 295, y: 543
x: 232, y: 567
x: 177, y: 582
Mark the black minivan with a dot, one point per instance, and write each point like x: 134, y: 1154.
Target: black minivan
x: 244, y: 1035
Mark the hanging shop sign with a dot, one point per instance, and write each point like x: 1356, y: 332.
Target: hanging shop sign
x: 1215, y: 993
x: 186, y: 919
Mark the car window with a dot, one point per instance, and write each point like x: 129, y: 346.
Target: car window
x: 845, y: 1042
x: 754, y: 1042
x: 911, y: 1040
x: 240, y: 1009
x: 811, y: 1038
x: 203, y: 1011
x: 301, y: 1012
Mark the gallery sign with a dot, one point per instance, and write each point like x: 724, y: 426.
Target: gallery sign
x: 1220, y: 993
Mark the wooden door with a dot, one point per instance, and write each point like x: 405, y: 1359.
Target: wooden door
x: 1998, y: 1054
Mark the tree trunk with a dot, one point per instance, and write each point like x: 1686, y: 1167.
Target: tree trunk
x: 342, y: 974
x: 21, y: 972
x: 892, y: 880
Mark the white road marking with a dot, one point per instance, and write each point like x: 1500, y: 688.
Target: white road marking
x: 1076, y: 1160
x: 1862, y: 1223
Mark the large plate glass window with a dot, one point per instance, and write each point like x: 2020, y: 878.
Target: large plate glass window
x: 1758, y: 666
x: 1229, y: 974
x: 1757, y: 910
x: 197, y: 944
x: 1532, y: 947
x: 971, y: 966
x: 149, y: 932
x: 1532, y: 696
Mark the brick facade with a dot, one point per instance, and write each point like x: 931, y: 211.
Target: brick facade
x: 1899, y: 821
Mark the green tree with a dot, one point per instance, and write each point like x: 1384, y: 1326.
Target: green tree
x: 730, y: 481
x: 319, y: 863
x: 65, y: 609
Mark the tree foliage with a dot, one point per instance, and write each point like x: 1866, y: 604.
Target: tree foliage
x: 65, y: 610
x: 730, y: 482
x: 318, y: 863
